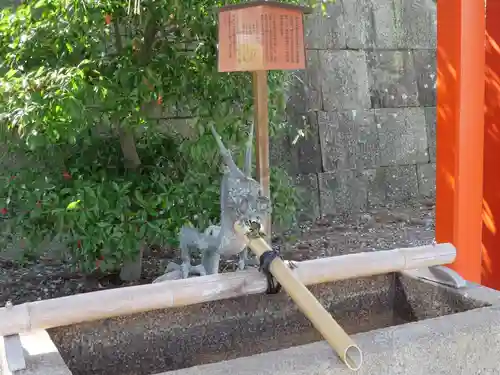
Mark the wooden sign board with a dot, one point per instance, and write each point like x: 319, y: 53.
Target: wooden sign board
x: 261, y: 35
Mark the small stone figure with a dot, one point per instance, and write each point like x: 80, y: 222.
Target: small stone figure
x: 242, y: 199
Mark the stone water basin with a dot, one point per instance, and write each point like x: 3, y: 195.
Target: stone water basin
x: 208, y: 333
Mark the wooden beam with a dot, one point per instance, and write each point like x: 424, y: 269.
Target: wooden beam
x: 459, y: 175
x: 79, y: 308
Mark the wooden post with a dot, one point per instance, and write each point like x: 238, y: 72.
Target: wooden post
x: 261, y: 121
x: 257, y: 37
x: 460, y: 111
x: 491, y: 185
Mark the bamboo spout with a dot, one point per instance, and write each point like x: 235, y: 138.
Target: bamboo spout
x: 334, y: 334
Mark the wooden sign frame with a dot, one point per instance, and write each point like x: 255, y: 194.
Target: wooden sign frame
x: 261, y: 35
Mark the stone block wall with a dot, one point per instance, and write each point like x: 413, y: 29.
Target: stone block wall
x: 367, y: 103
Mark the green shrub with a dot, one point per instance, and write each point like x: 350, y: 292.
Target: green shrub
x: 83, y: 84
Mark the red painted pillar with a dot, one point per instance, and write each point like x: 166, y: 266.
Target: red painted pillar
x: 459, y: 153
x: 491, y: 189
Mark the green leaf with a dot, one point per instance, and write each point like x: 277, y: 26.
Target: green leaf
x: 73, y: 205
x: 39, y: 4
x: 11, y: 73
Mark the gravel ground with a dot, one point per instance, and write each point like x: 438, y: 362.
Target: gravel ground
x: 380, y: 229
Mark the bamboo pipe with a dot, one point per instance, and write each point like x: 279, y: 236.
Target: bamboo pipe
x: 103, y: 304
x: 321, y: 319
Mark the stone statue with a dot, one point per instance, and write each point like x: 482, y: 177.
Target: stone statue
x: 241, y: 199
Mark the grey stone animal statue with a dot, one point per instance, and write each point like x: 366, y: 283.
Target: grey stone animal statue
x: 241, y: 199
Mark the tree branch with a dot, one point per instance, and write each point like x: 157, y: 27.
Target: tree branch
x: 129, y: 149
x: 149, y: 37
x: 118, y: 37
x: 127, y: 139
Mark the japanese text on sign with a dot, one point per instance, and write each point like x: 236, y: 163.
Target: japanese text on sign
x: 261, y: 38
x: 289, y: 32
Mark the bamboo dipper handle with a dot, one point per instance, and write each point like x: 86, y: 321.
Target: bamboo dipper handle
x: 338, y: 339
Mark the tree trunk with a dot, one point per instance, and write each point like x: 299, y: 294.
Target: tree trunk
x: 132, y: 269
x: 129, y: 150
